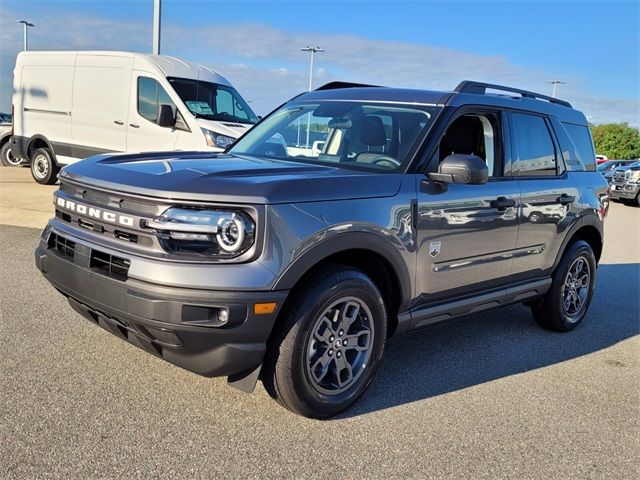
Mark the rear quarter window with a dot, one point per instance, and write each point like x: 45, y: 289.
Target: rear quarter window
x: 581, y: 138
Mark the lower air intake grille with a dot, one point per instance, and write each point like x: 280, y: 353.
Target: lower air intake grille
x: 109, y: 265
x: 62, y: 246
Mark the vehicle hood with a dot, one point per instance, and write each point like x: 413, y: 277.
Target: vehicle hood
x: 205, y: 176
x: 230, y: 129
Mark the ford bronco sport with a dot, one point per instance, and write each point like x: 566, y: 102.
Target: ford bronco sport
x: 293, y: 259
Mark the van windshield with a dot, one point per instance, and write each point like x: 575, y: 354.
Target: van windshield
x: 212, y: 101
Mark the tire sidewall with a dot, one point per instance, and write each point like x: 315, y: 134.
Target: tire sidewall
x: 578, y: 249
x: 359, y: 286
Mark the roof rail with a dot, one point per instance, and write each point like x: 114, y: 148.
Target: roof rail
x: 335, y: 85
x: 469, y: 86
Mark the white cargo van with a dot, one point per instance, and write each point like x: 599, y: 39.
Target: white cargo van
x: 71, y: 105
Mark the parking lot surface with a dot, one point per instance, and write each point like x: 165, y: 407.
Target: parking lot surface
x: 488, y: 396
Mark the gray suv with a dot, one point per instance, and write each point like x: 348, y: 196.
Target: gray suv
x: 348, y: 215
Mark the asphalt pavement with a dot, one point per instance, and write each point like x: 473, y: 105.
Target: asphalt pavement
x: 488, y: 396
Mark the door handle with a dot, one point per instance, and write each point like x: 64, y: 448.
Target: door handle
x: 118, y: 122
x: 134, y: 125
x: 565, y: 199
x: 501, y: 203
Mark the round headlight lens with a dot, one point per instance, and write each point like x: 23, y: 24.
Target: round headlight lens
x: 230, y: 234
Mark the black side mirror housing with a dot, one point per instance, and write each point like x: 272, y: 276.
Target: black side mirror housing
x: 460, y: 168
x: 166, y: 118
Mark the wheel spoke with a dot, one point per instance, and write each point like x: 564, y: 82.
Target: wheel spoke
x: 344, y: 371
x: 583, y: 281
x: 358, y: 341
x: 327, y: 331
x: 350, y: 312
x: 567, y: 302
x: 320, y: 368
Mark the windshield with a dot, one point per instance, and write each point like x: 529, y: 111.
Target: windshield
x: 342, y: 133
x: 212, y: 101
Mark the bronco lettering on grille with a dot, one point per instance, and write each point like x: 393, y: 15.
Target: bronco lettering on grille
x: 98, y: 213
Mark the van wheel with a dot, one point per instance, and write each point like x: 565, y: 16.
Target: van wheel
x: 566, y: 303
x: 327, y: 348
x: 43, y: 168
x: 7, y: 158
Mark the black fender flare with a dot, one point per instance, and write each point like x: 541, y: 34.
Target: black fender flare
x: 377, y: 244
x: 588, y: 219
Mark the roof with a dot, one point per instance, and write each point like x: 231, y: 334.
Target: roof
x: 169, y: 66
x: 513, y: 98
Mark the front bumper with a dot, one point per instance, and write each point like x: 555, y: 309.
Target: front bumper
x: 177, y: 324
x: 626, y: 191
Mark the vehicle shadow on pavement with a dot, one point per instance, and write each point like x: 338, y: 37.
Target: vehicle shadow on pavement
x: 496, y: 344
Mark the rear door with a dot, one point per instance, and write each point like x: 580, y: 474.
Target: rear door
x: 548, y: 193
x: 100, y: 104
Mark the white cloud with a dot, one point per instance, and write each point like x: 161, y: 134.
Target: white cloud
x: 266, y: 65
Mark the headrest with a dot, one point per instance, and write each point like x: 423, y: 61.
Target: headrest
x: 372, y: 132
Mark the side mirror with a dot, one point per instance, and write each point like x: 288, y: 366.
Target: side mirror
x: 166, y: 118
x: 459, y: 168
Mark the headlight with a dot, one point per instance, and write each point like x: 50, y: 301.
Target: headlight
x: 222, y: 233
x: 217, y: 139
x: 633, y: 177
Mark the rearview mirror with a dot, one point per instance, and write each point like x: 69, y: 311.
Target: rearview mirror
x: 459, y: 168
x: 166, y: 117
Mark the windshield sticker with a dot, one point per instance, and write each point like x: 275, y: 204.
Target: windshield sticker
x: 201, y: 108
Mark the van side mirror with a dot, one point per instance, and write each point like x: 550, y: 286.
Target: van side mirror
x: 166, y: 118
x: 459, y: 168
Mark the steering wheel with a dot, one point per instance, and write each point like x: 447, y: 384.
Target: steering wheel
x: 382, y: 159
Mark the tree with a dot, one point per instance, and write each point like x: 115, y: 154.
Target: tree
x: 616, y: 140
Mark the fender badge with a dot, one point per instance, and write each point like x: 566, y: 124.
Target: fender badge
x: 434, y: 248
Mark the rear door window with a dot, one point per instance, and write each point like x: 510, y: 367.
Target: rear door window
x: 533, y: 150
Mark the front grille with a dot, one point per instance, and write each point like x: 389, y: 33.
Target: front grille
x: 110, y: 200
x: 618, y: 177
x: 109, y: 265
x: 62, y: 246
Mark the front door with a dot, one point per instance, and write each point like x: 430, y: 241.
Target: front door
x: 467, y: 234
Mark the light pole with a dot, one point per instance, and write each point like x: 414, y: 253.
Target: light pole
x: 157, y: 12
x: 555, y: 84
x: 313, y: 51
x: 25, y: 25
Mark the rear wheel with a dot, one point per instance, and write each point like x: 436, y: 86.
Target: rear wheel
x: 567, y: 301
x: 43, y: 169
x: 329, y: 344
x: 7, y: 158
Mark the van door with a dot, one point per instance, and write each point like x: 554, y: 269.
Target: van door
x: 143, y: 132
x: 100, y: 104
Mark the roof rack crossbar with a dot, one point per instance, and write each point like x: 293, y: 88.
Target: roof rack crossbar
x: 480, y: 88
x: 335, y: 85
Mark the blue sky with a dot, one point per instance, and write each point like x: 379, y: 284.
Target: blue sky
x: 592, y: 45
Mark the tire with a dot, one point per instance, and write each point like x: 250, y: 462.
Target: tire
x: 566, y: 303
x: 302, y: 369
x: 7, y: 158
x: 43, y: 169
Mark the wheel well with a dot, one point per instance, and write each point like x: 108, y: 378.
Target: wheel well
x: 375, y: 266
x: 4, y: 140
x: 36, y: 144
x: 591, y: 235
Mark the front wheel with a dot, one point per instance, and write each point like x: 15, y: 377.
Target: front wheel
x: 329, y: 344
x: 567, y: 301
x: 43, y: 169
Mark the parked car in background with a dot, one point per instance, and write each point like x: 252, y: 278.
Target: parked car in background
x: 607, y: 168
x: 5, y: 118
x: 71, y: 105
x: 601, y: 159
x: 625, y: 186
